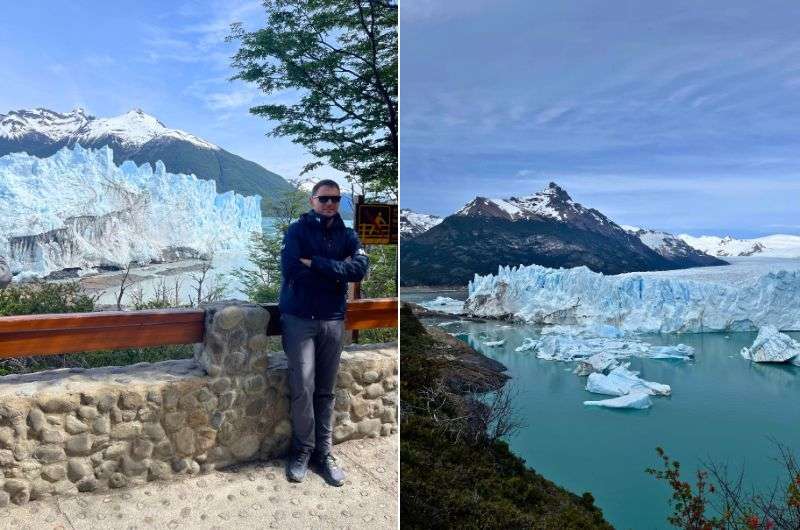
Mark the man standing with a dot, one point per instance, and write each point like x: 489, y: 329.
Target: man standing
x: 320, y: 255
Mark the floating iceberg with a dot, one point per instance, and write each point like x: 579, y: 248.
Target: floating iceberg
x: 529, y: 343
x: 78, y: 209
x: 620, y: 382
x: 444, y: 304
x: 599, y: 362
x: 772, y: 346
x: 589, y: 330
x: 637, y: 302
x: 679, y: 351
x: 572, y: 348
x: 636, y: 400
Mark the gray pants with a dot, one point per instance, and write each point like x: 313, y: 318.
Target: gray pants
x: 313, y: 349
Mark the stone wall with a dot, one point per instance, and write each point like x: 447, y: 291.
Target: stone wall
x: 74, y: 430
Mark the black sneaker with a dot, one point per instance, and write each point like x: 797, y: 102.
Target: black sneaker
x: 297, y: 466
x: 327, y: 467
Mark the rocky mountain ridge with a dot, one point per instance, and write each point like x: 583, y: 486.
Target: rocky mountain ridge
x: 548, y: 228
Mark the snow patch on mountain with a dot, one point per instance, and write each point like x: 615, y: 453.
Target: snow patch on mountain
x: 656, y: 240
x: 774, y: 246
x: 551, y: 203
x: 666, y: 244
x: 77, y: 209
x: 413, y: 224
x: 637, y: 302
x: 132, y: 129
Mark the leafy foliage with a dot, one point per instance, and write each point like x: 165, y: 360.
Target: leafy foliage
x: 341, y: 56
x: 381, y: 280
x: 452, y: 481
x: 262, y: 279
x: 717, y: 502
x: 41, y: 297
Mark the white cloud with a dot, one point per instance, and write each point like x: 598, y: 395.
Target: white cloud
x: 233, y: 99
x: 551, y: 114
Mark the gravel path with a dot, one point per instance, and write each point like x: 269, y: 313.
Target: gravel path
x: 255, y: 495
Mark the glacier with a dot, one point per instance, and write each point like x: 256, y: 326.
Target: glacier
x: 78, y: 209
x: 638, y: 302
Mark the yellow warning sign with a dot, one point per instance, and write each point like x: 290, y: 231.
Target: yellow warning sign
x: 377, y: 224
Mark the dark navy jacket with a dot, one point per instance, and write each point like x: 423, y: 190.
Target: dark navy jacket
x: 319, y: 291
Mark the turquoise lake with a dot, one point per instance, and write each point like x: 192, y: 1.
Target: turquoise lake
x: 722, y: 408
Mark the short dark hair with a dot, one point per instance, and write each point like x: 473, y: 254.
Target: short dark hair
x: 326, y: 182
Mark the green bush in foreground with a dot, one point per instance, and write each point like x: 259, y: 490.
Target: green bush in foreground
x: 448, y: 480
x: 37, y: 298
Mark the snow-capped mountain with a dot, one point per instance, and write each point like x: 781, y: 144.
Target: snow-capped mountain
x: 774, y: 246
x: 133, y: 129
x: 139, y: 137
x: 413, y: 224
x: 547, y: 228
x: 671, y: 246
x: 78, y: 209
x: 551, y: 203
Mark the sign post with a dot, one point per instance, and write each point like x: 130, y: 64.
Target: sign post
x: 375, y: 224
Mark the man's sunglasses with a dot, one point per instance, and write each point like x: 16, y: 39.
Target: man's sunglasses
x: 325, y: 199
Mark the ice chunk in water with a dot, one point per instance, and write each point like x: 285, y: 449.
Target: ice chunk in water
x: 636, y: 400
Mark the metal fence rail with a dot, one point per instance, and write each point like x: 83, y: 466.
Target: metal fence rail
x: 26, y: 335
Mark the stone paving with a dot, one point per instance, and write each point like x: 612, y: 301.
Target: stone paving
x: 254, y: 495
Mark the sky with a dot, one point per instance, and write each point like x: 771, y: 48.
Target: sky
x: 169, y: 59
x: 681, y: 116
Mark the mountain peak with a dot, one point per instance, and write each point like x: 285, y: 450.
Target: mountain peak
x: 134, y: 128
x: 556, y: 191
x: 552, y: 202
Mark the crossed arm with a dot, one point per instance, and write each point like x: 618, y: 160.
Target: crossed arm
x: 351, y: 269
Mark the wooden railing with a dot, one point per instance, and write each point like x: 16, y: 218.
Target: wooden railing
x: 26, y: 335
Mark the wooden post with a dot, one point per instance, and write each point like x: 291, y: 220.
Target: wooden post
x: 356, y: 286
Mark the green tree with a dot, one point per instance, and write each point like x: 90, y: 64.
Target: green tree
x: 382, y: 278
x: 341, y: 58
x: 261, y: 280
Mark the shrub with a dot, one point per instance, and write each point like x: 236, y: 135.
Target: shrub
x: 40, y: 297
x: 719, y: 502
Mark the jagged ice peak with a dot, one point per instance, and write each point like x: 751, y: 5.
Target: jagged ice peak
x: 78, y: 209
